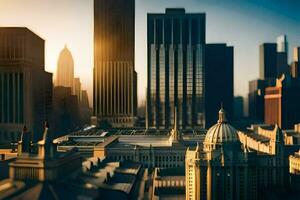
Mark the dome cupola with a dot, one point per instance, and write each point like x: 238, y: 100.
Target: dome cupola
x: 220, y: 133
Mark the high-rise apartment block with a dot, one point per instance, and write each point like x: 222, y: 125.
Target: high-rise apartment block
x: 25, y: 86
x: 115, y: 80
x: 175, y: 68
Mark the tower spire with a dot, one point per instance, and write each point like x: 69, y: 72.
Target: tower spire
x: 222, y: 115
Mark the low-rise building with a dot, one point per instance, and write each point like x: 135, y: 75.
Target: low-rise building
x: 168, y: 183
x: 150, y: 150
x: 48, y: 174
x: 294, y: 161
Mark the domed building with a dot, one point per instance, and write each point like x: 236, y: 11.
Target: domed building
x: 222, y: 169
x: 65, y: 69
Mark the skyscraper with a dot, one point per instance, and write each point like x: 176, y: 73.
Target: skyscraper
x: 295, y: 64
x: 238, y: 103
x: 256, y: 105
x: 282, y: 56
x: 282, y: 103
x: 77, y: 88
x: 296, y: 55
x: 115, y: 96
x: 282, y: 44
x: 267, y: 60
x: 218, y: 81
x: 25, y: 87
x: 175, y: 68
x: 65, y: 69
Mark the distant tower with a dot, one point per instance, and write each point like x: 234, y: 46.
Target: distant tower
x: 65, y: 69
x: 282, y: 44
x: 77, y: 88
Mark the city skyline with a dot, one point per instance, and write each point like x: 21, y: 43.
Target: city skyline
x: 268, y: 23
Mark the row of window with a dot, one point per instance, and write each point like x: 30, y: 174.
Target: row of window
x: 11, y: 97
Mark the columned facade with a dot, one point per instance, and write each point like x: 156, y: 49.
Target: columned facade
x: 115, y: 96
x: 25, y: 87
x: 175, y: 69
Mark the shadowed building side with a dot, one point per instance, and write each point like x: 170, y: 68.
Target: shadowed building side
x: 25, y: 87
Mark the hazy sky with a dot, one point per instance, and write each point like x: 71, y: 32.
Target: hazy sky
x: 241, y: 23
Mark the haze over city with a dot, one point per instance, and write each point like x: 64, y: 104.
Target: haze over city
x: 70, y: 22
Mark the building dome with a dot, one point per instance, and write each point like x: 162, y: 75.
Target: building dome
x: 221, y: 133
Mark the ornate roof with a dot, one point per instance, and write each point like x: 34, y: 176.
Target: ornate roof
x: 222, y: 132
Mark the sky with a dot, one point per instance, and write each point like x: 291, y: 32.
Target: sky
x: 243, y: 24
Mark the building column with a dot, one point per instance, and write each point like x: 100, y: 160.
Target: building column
x: 208, y: 182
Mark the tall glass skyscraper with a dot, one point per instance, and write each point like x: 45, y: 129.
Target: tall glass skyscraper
x: 115, y: 80
x: 175, y: 69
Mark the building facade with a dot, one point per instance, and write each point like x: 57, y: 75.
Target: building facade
x: 295, y: 64
x: 281, y: 102
x: 282, y: 44
x: 256, y: 105
x: 267, y: 60
x: 175, y: 69
x: 65, y: 69
x: 238, y: 105
x: 221, y: 170
x: 25, y: 87
x: 237, y: 164
x: 294, y: 163
x: 218, y: 74
x: 115, y: 80
x: 77, y: 88
x: 66, y: 111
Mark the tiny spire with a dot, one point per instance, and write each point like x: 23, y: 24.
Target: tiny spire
x: 46, y: 125
x: 197, y: 148
x: 222, y: 116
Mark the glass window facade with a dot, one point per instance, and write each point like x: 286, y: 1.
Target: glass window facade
x: 175, y: 69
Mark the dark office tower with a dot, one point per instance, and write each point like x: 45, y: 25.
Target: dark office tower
x: 295, y: 64
x: 267, y: 60
x: 282, y: 64
x: 256, y: 94
x: 238, y: 107
x: 218, y: 81
x: 175, y: 69
x: 25, y: 87
x: 115, y: 96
